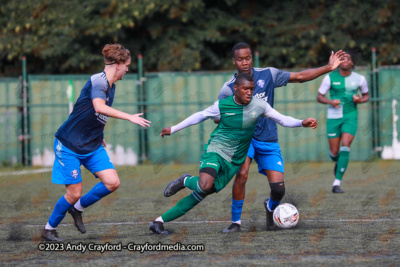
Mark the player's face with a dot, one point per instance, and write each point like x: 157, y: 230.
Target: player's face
x: 243, y: 60
x: 244, y: 92
x: 122, y: 68
x: 347, y: 64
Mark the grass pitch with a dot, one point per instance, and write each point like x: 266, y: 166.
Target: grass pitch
x: 358, y: 228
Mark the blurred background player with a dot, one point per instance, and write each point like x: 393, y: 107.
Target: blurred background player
x: 264, y: 147
x: 227, y: 148
x: 341, y: 124
x: 79, y: 141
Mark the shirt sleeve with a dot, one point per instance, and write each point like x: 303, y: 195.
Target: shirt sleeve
x: 99, y: 88
x: 279, y: 77
x: 210, y: 112
x: 325, y: 85
x: 285, y: 121
x: 363, y: 85
x: 225, y: 92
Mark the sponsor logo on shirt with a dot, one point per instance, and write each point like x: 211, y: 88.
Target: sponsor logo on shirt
x: 336, y: 83
x: 74, y: 174
x: 261, y: 83
x: 253, y: 114
x: 227, y: 113
x: 101, y: 118
x: 261, y: 96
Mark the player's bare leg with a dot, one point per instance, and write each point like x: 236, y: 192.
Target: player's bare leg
x: 343, y: 161
x: 238, y: 194
x: 277, y: 186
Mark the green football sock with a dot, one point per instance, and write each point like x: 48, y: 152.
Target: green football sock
x: 343, y: 161
x: 183, y: 206
x: 193, y: 183
x: 334, y: 158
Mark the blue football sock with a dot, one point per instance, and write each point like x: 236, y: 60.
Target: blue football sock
x: 236, y: 209
x: 61, y: 208
x: 272, y: 204
x: 98, y: 191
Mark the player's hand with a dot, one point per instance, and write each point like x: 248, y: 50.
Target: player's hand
x: 135, y: 118
x: 165, y: 131
x: 336, y: 59
x: 335, y: 103
x: 357, y: 99
x: 104, y: 142
x: 310, y: 122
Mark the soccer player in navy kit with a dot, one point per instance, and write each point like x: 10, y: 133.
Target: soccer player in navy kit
x: 264, y: 147
x: 79, y: 141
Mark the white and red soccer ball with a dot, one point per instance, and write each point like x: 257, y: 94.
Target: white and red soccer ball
x: 286, y: 216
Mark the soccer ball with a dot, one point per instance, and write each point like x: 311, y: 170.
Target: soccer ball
x: 286, y: 216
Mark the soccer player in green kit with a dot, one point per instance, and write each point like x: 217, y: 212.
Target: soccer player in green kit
x: 227, y: 147
x: 343, y: 85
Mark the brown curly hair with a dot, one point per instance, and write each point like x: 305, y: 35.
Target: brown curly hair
x: 115, y: 53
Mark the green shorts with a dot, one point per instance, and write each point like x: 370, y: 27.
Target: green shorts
x: 225, y: 170
x: 335, y: 127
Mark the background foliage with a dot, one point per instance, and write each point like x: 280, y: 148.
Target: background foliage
x: 176, y: 35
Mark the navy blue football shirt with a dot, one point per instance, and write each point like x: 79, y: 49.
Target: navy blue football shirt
x: 265, y: 81
x: 83, y: 131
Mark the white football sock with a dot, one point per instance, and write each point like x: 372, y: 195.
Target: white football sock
x: 336, y: 182
x: 48, y: 227
x: 78, y: 205
x: 159, y: 219
x: 238, y: 222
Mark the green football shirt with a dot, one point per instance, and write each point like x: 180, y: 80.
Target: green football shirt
x: 231, y: 138
x: 343, y: 88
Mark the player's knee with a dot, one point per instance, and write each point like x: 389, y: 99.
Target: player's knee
x: 241, y: 177
x: 73, y: 197
x: 277, y: 190
x: 113, y: 185
x: 206, y: 185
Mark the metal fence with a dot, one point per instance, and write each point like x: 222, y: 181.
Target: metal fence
x: 168, y: 98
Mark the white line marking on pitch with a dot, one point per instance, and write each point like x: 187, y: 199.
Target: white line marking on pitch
x: 26, y: 172
x: 198, y: 222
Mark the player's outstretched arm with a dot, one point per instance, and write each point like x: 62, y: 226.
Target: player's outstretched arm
x: 310, y: 122
x: 287, y: 121
x: 210, y: 112
x: 101, y: 107
x: 308, y: 75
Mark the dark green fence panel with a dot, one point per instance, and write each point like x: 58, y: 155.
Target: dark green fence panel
x: 10, y: 146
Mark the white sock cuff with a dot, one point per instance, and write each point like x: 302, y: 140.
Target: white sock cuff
x: 159, y: 219
x: 332, y: 154
x: 48, y: 227
x: 238, y: 222
x: 336, y: 182
x: 345, y: 148
x: 78, y: 205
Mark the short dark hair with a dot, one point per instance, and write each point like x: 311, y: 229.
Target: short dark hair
x: 243, y: 77
x: 239, y: 46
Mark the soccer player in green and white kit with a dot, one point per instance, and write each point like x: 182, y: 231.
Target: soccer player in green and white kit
x: 227, y: 148
x: 343, y: 85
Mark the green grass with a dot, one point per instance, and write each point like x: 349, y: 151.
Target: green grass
x: 359, y: 227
